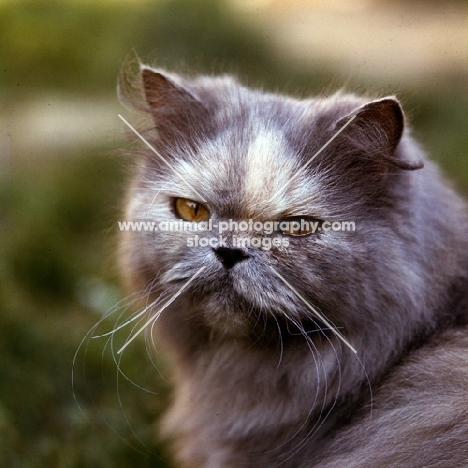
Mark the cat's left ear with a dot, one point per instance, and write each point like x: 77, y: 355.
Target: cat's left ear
x: 176, y: 111
x: 377, y: 128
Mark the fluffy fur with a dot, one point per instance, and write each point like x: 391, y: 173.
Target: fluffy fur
x: 259, y: 380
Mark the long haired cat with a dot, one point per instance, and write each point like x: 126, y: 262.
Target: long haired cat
x: 319, y: 347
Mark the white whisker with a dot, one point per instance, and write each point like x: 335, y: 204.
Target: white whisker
x: 302, y: 169
x: 152, y: 203
x: 315, y: 311
x: 127, y: 322
x: 158, y: 313
x: 158, y: 154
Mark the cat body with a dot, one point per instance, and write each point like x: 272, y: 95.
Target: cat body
x: 329, y: 348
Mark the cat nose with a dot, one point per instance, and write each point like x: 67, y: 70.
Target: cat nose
x: 229, y: 257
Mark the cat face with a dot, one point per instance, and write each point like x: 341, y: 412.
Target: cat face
x: 228, y: 155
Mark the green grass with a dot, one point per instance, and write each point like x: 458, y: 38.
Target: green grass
x: 57, y: 281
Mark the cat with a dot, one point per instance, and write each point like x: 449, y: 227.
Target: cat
x: 326, y: 348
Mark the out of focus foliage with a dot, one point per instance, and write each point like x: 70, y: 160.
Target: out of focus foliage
x: 57, y: 281
x: 81, y: 45
x: 59, y: 211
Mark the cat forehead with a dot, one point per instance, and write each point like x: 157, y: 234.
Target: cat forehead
x: 269, y: 165
x: 256, y: 172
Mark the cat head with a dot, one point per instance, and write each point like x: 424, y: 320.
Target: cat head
x: 221, y: 153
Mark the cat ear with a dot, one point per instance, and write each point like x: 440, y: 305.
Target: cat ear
x: 175, y: 111
x: 377, y: 128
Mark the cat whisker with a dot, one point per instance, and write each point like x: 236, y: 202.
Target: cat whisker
x: 315, y: 354
x: 321, y: 419
x: 119, y: 373
x: 158, y: 313
x: 167, y: 292
x: 117, y: 362
x: 281, y: 343
x: 303, y: 168
x: 80, y: 356
x: 136, y: 316
x: 138, y: 297
x: 162, y: 158
x: 152, y: 203
x: 127, y: 322
x: 320, y: 316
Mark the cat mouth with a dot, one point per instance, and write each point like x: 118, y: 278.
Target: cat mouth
x: 240, y: 306
x: 243, y: 287
x: 237, y: 303
x: 235, y: 290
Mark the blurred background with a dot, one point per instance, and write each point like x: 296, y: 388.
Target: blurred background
x: 63, y: 178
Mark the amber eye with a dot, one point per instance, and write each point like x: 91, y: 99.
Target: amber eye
x: 190, y: 210
x: 300, y: 226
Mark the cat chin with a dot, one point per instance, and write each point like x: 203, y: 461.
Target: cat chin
x: 226, y: 320
x: 237, y: 309
x: 239, y: 319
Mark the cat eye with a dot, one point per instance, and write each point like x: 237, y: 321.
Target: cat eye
x: 300, y: 226
x: 190, y: 210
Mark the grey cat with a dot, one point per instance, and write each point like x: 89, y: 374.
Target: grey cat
x: 330, y: 348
